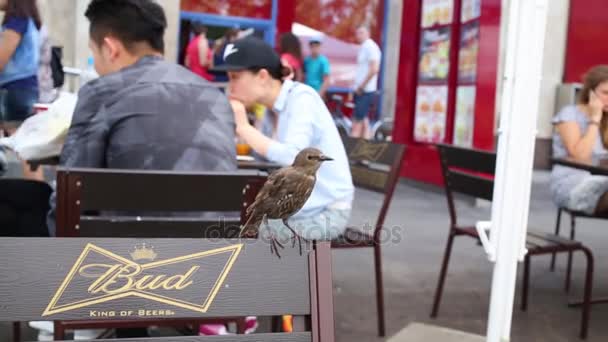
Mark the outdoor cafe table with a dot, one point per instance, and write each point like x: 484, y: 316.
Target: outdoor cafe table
x: 595, y: 167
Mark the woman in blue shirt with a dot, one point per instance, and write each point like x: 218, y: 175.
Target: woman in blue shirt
x: 19, y: 58
x: 302, y: 120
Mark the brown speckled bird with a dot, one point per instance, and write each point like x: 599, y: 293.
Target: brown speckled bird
x: 284, y: 194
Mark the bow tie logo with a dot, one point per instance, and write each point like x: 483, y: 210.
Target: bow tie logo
x: 99, y: 276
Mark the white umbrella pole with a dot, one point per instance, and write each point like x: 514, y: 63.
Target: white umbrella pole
x: 520, y: 99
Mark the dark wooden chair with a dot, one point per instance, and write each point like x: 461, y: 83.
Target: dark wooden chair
x: 471, y: 172
x: 63, y: 279
x: 157, y: 199
x: 573, y: 216
x: 82, y: 194
x: 374, y: 166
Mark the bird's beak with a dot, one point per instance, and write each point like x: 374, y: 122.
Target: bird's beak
x: 325, y: 158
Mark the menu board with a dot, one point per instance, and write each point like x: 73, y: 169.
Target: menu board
x: 467, y: 55
x: 434, y: 55
x: 431, y: 110
x: 471, y: 9
x: 437, y: 12
x: 465, y: 116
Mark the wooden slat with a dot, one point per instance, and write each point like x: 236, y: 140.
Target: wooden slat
x: 157, y: 227
x: 293, y: 337
x: 555, y: 239
x: 373, y: 151
x: 368, y: 178
x: 34, y: 269
x: 469, y: 184
x: 145, y: 191
x: 538, y: 241
x: 468, y: 159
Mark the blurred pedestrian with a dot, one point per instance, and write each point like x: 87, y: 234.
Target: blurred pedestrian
x: 198, y: 54
x: 19, y: 58
x: 366, y: 82
x: 19, y: 61
x: 316, y: 68
x: 290, y: 49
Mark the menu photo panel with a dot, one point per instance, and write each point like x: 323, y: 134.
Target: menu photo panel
x: 437, y: 12
x: 431, y: 114
x: 464, y: 120
x: 434, y: 55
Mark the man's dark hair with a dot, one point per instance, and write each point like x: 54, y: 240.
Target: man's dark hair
x: 130, y: 21
x: 22, y: 9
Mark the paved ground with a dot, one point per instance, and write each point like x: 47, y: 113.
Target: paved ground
x: 423, y: 332
x: 411, y: 265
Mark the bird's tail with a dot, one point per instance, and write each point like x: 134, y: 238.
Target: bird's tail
x: 251, y: 227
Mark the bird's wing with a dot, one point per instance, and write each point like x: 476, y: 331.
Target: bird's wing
x: 275, y: 181
x: 291, y: 196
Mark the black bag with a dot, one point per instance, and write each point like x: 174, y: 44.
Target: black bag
x: 57, y: 66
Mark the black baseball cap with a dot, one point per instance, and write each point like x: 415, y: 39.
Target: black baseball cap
x: 247, y: 53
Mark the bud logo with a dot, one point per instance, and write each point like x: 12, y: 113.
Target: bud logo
x: 190, y: 281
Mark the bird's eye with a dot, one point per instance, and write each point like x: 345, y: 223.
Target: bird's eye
x: 309, y: 157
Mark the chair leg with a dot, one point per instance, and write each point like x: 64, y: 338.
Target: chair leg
x: 241, y: 326
x: 569, y: 265
x: 557, y: 229
x: 379, y: 289
x: 58, y: 331
x: 525, y: 284
x: 276, y: 324
x: 16, y: 331
x: 588, y: 291
x: 442, y: 274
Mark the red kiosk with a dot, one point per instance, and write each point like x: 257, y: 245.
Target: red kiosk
x: 447, y: 80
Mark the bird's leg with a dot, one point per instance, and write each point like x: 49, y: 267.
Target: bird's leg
x: 274, y: 242
x: 294, y: 237
x: 273, y: 248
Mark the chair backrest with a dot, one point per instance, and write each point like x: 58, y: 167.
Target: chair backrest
x: 375, y: 166
x: 124, y: 279
x: 153, y: 203
x: 466, y: 171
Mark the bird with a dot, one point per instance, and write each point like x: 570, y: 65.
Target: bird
x: 283, y: 194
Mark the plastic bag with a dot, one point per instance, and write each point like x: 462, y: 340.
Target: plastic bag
x: 42, y: 135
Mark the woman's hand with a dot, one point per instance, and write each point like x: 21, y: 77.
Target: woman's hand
x: 240, y: 114
x: 596, y: 106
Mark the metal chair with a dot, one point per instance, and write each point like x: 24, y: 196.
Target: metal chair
x: 374, y: 166
x: 471, y: 172
x: 151, y: 204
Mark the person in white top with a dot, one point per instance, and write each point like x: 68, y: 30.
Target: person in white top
x: 366, y: 82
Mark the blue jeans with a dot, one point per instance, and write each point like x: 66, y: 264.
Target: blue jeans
x: 17, y: 104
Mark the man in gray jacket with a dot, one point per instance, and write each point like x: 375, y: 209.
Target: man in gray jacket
x: 144, y: 112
